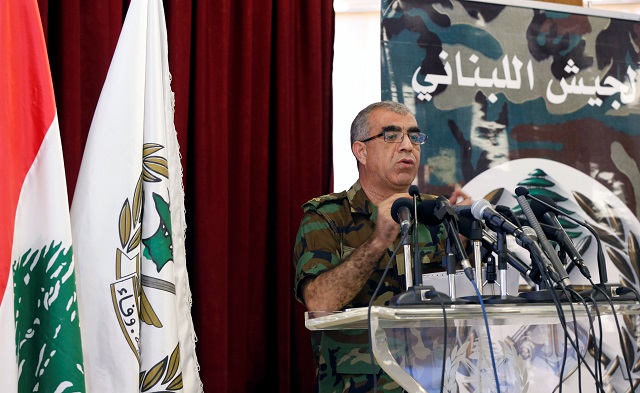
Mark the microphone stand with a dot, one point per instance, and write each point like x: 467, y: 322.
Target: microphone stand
x: 502, y: 269
x: 407, y: 261
x: 475, y: 235
x: 449, y: 263
x: 547, y: 292
x: 491, y: 271
x: 595, y: 293
x: 476, y: 238
x: 417, y: 294
x: 502, y: 263
x: 417, y: 261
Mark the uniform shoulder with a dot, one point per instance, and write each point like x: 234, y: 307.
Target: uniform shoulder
x: 318, y: 203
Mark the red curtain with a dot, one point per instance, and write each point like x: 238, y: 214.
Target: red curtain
x: 252, y: 83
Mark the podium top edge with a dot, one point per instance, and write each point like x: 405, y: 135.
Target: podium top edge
x: 357, y: 318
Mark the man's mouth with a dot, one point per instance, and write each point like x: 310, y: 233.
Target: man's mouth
x: 406, y: 161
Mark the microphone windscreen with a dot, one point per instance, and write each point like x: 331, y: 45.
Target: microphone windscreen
x: 464, y: 225
x: 463, y: 211
x: 477, y: 208
x: 520, y: 191
x: 539, y: 209
x: 397, y: 204
x: 414, y: 191
x: 507, y: 213
x: 426, y: 212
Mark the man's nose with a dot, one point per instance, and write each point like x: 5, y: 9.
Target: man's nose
x: 405, y: 143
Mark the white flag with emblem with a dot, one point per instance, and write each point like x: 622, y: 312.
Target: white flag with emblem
x: 40, y: 348
x: 128, y: 224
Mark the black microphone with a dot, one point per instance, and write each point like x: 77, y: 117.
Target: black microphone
x: 482, y: 210
x: 490, y: 243
x: 602, y: 265
x: 557, y: 264
x: 414, y: 191
x: 426, y: 212
x: 401, y: 213
x: 548, y: 216
x: 435, y: 211
x: 508, y: 214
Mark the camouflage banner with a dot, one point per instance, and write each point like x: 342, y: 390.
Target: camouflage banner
x: 491, y: 82
x: 535, y: 95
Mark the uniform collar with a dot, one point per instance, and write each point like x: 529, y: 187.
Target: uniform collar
x: 359, y: 201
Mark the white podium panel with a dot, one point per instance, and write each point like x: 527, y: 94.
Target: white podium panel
x: 413, y: 345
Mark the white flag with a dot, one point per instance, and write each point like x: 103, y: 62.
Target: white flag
x: 128, y: 224
x: 40, y: 348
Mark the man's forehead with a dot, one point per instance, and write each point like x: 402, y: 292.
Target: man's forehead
x: 384, y: 118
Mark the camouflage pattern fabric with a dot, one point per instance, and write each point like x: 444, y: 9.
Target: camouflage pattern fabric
x: 332, y: 227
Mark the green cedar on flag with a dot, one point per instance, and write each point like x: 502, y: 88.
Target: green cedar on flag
x: 40, y: 347
x: 128, y: 224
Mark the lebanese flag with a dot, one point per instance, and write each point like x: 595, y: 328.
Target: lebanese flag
x: 40, y: 347
x: 128, y: 224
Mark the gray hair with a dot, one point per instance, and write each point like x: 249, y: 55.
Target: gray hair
x: 360, y: 125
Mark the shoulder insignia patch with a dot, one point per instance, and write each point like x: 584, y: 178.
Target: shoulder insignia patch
x: 316, y: 202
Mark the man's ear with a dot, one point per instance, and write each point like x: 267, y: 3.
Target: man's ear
x: 359, y: 150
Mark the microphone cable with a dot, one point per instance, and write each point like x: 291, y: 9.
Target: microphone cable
x: 601, y: 262
x: 414, y: 191
x: 557, y: 270
x: 549, y: 283
x: 597, y: 348
x: 615, y: 318
x: 600, y: 254
x: 453, y: 230
x: 574, y: 344
x: 580, y: 358
x: 486, y: 325
x: 373, y: 296
x: 603, y: 278
x: 444, y: 346
x: 597, y: 373
x: 563, y: 324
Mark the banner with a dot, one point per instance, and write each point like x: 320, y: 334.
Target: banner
x: 40, y: 348
x: 535, y: 95
x: 128, y: 224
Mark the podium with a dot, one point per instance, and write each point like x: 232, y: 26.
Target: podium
x: 412, y: 345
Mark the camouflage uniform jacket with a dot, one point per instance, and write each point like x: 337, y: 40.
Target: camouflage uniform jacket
x: 332, y: 227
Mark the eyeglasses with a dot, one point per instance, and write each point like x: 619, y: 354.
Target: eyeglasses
x: 395, y: 136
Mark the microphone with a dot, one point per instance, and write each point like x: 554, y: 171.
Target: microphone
x: 548, y: 216
x: 482, y: 210
x: 401, y: 213
x: 542, y: 238
x: 426, y: 212
x: 489, y: 242
x: 602, y: 266
x: 508, y: 214
x: 433, y: 212
x: 538, y: 255
x: 414, y: 191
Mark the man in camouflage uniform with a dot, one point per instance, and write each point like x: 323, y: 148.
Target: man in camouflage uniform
x: 345, y: 241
